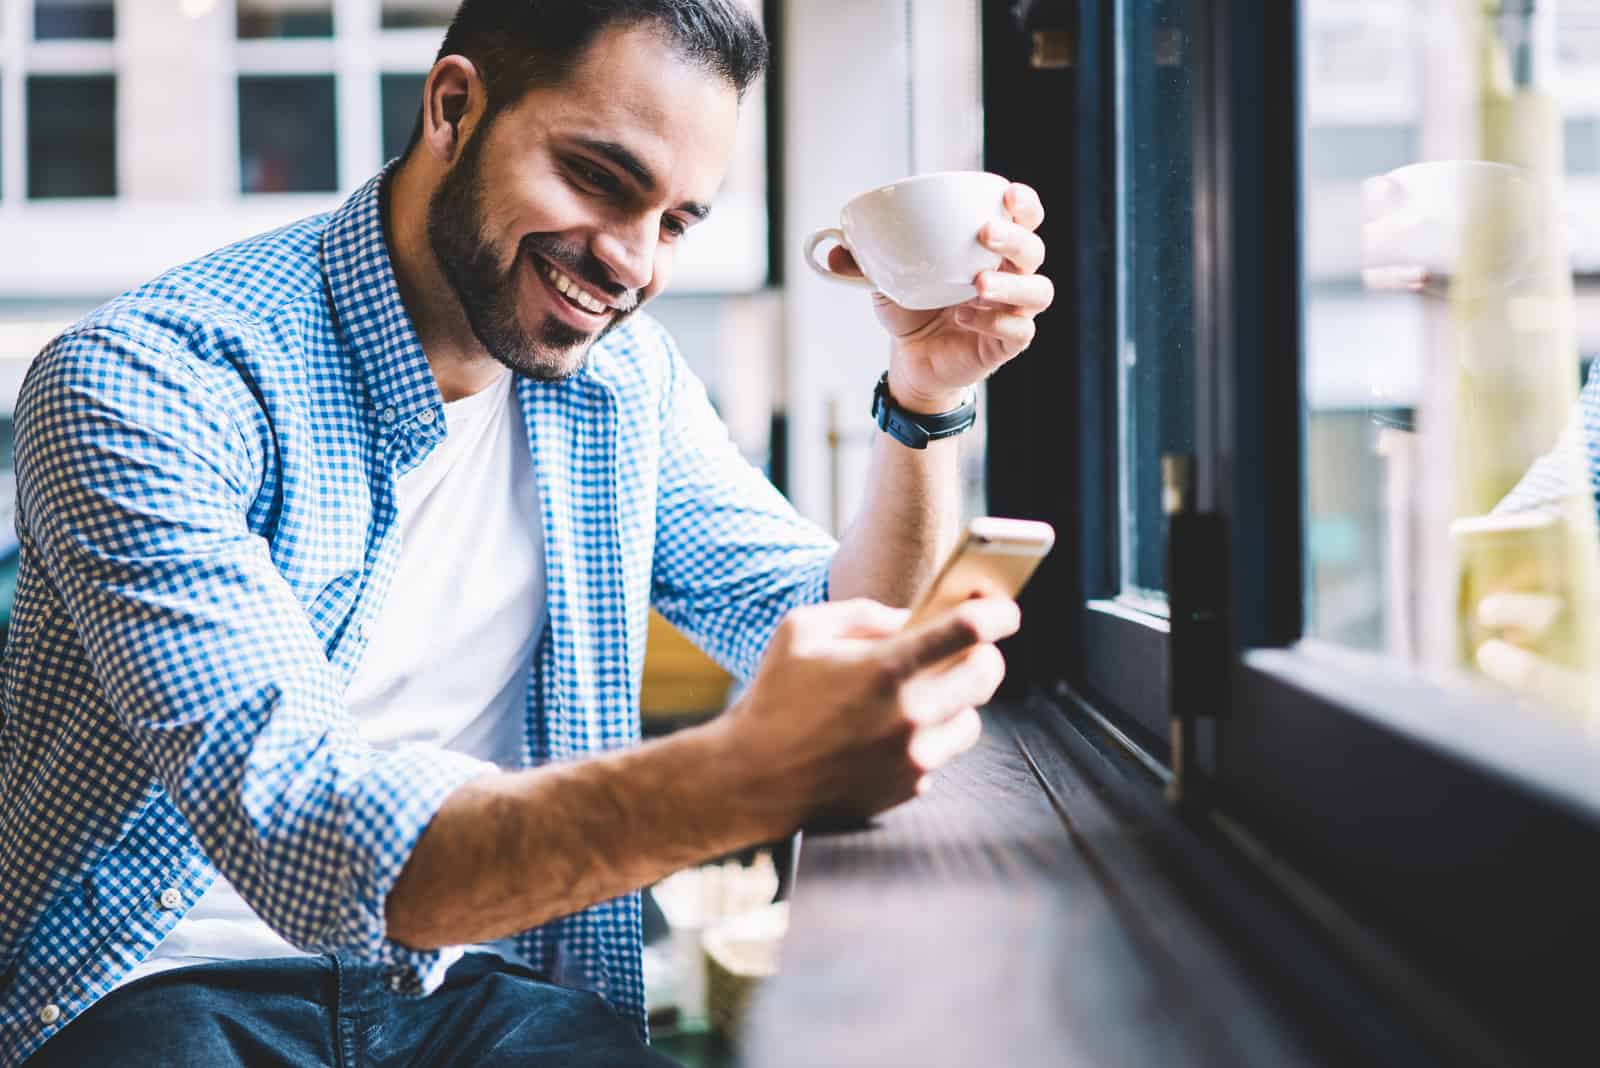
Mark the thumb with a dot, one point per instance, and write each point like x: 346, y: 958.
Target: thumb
x: 978, y: 621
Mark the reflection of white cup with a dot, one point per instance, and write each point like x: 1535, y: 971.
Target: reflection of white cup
x: 917, y: 240
x: 1417, y: 220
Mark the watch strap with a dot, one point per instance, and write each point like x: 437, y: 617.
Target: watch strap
x: 914, y: 430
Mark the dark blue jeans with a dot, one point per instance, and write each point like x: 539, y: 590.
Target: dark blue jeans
x: 302, y: 1011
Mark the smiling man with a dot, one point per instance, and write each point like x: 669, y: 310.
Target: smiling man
x: 320, y: 737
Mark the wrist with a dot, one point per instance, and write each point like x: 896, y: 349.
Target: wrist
x: 747, y: 787
x: 920, y: 402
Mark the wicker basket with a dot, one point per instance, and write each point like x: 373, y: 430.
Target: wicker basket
x: 740, y: 952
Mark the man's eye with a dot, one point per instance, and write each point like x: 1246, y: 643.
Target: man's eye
x: 595, y: 177
x: 674, y: 227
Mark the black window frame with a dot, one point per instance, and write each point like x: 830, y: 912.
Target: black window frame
x: 1458, y: 827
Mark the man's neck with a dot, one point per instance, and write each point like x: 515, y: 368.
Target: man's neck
x: 459, y: 363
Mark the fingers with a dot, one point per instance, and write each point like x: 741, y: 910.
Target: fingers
x: 937, y: 745
x: 1027, y: 293
x: 1532, y: 674
x: 968, y: 680
x: 1015, y: 331
x: 841, y: 262
x: 982, y: 620
x: 1022, y: 248
x: 1523, y: 617
x: 1023, y: 202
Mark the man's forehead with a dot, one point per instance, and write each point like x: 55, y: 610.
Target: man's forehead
x: 635, y: 92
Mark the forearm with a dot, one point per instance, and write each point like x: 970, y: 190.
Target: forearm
x: 908, y: 522
x: 515, y: 850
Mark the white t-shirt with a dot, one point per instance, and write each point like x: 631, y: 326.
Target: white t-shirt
x: 450, y: 655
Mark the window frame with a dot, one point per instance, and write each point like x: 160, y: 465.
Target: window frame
x: 1454, y: 826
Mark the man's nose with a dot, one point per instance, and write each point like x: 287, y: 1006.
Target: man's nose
x: 630, y: 253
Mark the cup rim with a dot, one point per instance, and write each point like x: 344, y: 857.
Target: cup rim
x: 916, y: 178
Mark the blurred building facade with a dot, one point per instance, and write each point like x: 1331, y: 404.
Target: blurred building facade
x: 136, y: 134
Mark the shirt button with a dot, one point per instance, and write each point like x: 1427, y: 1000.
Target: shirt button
x: 427, y: 417
x: 171, y: 899
x: 49, y: 1014
x: 388, y: 415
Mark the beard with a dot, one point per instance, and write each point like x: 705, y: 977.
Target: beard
x: 553, y: 349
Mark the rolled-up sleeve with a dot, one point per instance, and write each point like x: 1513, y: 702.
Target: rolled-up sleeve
x: 732, y: 556
x: 134, y: 485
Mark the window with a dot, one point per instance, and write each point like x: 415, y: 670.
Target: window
x: 72, y: 136
x: 58, y: 100
x: 409, y: 14
x: 1154, y: 374
x: 401, y: 96
x: 73, y: 19
x: 287, y: 134
x: 1347, y: 309
x: 284, y: 18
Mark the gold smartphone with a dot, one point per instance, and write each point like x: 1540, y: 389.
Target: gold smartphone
x: 995, y: 557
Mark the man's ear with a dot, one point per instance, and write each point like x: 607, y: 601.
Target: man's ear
x: 453, y: 102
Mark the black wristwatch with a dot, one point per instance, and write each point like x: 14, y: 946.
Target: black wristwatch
x: 915, y: 431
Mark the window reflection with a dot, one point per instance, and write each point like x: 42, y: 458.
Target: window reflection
x: 287, y: 137
x: 401, y: 96
x: 1450, y: 458
x: 72, y: 135
x: 80, y: 19
x: 285, y: 18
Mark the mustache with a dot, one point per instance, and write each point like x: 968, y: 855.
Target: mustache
x: 583, y: 265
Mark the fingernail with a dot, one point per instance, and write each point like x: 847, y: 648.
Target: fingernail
x: 964, y: 315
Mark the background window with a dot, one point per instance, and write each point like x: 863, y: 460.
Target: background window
x: 285, y: 18
x: 1155, y: 357
x: 408, y: 14
x: 74, y: 19
x: 288, y: 141
x: 401, y: 102
x: 72, y: 135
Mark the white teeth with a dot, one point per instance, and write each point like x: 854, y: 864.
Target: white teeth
x: 571, y: 290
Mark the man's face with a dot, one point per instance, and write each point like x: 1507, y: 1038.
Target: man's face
x: 561, y: 216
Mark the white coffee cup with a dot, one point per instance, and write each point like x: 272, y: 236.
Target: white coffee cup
x: 917, y: 239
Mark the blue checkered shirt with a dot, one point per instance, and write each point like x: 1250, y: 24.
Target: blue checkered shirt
x: 206, y: 473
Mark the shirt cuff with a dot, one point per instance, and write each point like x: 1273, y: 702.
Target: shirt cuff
x: 395, y: 800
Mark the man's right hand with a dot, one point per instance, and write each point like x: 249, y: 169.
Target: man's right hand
x: 849, y: 714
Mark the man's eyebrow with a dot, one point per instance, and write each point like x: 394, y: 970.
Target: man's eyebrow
x: 625, y: 159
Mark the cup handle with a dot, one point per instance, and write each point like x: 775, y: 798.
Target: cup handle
x: 837, y: 237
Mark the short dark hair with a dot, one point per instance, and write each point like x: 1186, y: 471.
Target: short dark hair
x: 518, y: 45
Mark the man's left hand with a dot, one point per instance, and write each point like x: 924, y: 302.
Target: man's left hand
x: 937, y: 355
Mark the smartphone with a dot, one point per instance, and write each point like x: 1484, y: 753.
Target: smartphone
x: 994, y: 557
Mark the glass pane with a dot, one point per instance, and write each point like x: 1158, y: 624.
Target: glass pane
x: 56, y: 19
x: 1451, y: 313
x: 406, y: 14
x: 1156, y: 291
x: 72, y: 135
x: 402, y: 102
x: 285, y: 18
x: 287, y: 138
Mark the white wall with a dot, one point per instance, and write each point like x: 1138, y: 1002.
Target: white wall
x: 874, y: 90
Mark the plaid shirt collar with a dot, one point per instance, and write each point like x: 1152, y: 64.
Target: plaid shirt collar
x: 372, y: 320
